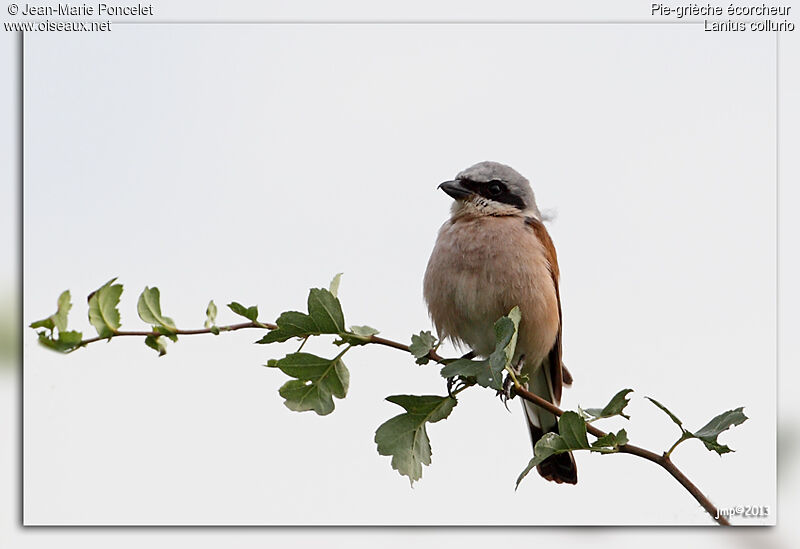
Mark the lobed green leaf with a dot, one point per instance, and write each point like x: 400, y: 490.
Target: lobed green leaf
x: 489, y: 372
x: 59, y: 318
x: 326, y: 311
x: 615, y: 407
x: 405, y: 437
x: 103, y: 312
x: 710, y: 431
x: 317, y: 381
x: 571, y: 436
x: 66, y: 341
x: 421, y: 345
x: 149, y: 309
x: 250, y: 313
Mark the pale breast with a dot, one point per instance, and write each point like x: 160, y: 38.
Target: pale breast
x: 479, y: 269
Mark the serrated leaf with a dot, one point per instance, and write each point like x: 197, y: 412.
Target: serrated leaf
x: 364, y: 331
x: 334, y: 286
x: 103, y: 312
x: 711, y: 430
x: 46, y: 323
x: 64, y: 306
x: 211, y: 315
x: 326, y: 311
x: 610, y: 443
x: 663, y: 408
x: 485, y: 372
x: 405, y: 437
x: 421, y: 345
x: 614, y: 408
x: 572, y: 428
x: 291, y: 324
x: 318, y: 380
x: 59, y: 318
x: 549, y: 445
x: 572, y: 436
x: 66, y: 341
x: 489, y: 372
x: 358, y: 335
x: 149, y: 309
x: 156, y: 343
x: 250, y: 313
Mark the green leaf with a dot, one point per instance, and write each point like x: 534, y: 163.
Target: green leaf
x: 334, y: 287
x: 489, y: 372
x: 364, y: 331
x: 211, y: 315
x: 483, y: 371
x: 572, y: 436
x: 358, y: 335
x: 157, y: 343
x: 610, y: 443
x: 318, y: 380
x: 515, y: 316
x: 405, y: 437
x: 572, y: 428
x: 326, y: 311
x: 103, y: 312
x: 549, y: 445
x: 64, y: 306
x: 711, y: 430
x: 421, y: 345
x: 46, y: 323
x: 291, y: 324
x: 66, y: 341
x: 149, y: 309
x: 166, y: 331
x: 672, y: 416
x: 613, y: 408
x: 59, y: 318
x: 250, y: 313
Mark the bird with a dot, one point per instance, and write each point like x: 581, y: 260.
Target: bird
x: 491, y: 254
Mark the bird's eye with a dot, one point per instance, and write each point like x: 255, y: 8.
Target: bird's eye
x: 496, y: 188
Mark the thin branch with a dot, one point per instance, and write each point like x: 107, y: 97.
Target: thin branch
x: 230, y: 328
x: 661, y: 460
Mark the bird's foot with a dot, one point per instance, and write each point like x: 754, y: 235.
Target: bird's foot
x: 456, y: 383
x: 506, y: 393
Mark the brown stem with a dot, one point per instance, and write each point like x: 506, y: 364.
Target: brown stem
x: 661, y: 460
x: 230, y: 328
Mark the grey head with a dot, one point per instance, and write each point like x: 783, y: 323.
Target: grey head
x: 493, y: 183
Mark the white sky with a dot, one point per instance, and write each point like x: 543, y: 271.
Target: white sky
x: 252, y: 162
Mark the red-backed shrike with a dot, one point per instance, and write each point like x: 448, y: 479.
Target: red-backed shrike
x: 492, y: 254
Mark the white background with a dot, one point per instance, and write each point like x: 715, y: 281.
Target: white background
x: 253, y: 162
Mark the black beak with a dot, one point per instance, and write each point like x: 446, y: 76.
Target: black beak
x: 455, y: 189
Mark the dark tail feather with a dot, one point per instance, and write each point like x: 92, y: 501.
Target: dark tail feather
x: 560, y: 468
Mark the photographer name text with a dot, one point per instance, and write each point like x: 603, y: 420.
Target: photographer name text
x: 66, y: 10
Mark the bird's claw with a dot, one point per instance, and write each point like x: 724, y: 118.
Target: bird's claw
x: 455, y: 384
x: 506, y: 393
